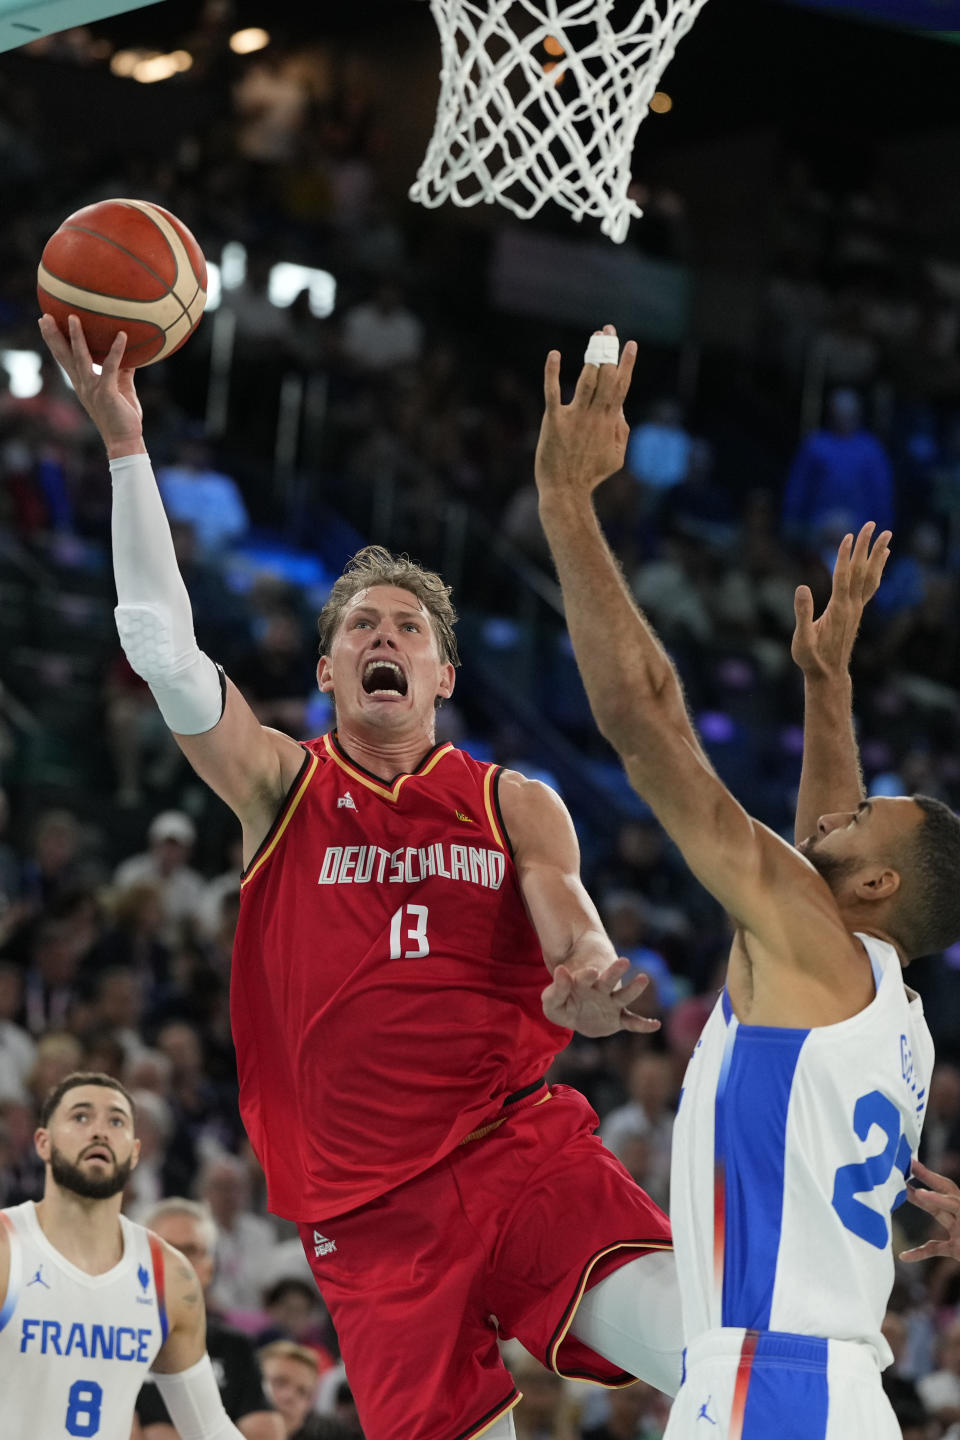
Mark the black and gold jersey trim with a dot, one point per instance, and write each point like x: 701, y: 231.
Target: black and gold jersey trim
x: 560, y: 1334
x: 284, y: 815
x: 474, y: 1431
x: 372, y: 782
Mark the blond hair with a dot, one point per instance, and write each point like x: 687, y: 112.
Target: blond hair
x: 375, y: 565
x: 288, y: 1350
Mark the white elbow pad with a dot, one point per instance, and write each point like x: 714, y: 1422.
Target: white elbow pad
x: 186, y: 684
x: 194, y: 1403
x: 154, y: 616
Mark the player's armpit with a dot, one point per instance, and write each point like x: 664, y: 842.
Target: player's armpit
x: 546, y: 853
x: 771, y: 891
x: 248, y: 765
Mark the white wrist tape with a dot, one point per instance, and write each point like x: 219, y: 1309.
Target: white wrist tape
x: 194, y: 1403
x: 153, y: 615
x: 602, y: 350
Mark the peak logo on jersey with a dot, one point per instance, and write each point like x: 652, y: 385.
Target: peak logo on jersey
x: 467, y: 820
x: 321, y: 1245
x: 346, y: 802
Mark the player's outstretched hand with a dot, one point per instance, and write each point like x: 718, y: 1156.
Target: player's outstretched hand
x: 583, y: 442
x: 593, y: 1002
x: 109, y: 398
x: 942, y: 1201
x: 823, y: 647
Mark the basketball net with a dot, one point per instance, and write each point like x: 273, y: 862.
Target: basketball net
x: 541, y: 99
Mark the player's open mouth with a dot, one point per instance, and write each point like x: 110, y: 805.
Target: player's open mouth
x: 99, y: 1152
x: 384, y: 677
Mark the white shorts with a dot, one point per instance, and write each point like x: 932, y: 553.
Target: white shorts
x: 768, y: 1385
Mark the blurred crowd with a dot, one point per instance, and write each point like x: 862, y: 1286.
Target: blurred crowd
x: 119, y: 873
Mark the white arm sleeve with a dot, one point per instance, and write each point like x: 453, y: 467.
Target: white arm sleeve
x: 153, y: 613
x: 194, y: 1403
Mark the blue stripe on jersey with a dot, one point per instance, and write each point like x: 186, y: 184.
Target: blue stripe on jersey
x: 9, y: 1305
x: 14, y: 1276
x: 752, y: 1103
x: 788, y: 1395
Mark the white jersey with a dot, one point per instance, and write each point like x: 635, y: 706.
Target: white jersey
x: 791, y: 1148
x: 75, y: 1348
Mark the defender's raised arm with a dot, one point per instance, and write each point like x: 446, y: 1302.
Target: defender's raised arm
x: 630, y: 680
x: 635, y: 692
x: 831, y: 779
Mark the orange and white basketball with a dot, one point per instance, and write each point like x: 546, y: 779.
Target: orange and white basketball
x: 125, y: 265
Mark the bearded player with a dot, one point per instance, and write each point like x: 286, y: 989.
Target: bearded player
x: 89, y: 1302
x: 803, y: 1101
x: 399, y: 903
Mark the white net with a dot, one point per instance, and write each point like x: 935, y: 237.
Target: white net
x: 541, y: 101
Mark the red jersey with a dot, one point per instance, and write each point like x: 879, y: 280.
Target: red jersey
x: 385, y: 993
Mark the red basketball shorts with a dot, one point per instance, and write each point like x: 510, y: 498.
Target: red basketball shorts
x: 501, y: 1238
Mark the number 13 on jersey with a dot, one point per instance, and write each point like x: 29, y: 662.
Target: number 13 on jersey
x: 408, y: 933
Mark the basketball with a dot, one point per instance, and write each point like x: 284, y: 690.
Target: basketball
x: 125, y: 265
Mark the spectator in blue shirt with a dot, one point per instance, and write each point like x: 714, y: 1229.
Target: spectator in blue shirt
x: 840, y: 477
x: 658, y: 452
x: 193, y: 491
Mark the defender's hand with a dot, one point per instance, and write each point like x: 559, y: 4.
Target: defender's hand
x: 823, y: 647
x: 942, y: 1201
x: 592, y: 1001
x: 109, y: 398
x: 582, y: 443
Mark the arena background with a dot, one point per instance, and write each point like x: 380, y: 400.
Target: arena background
x: 369, y: 370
